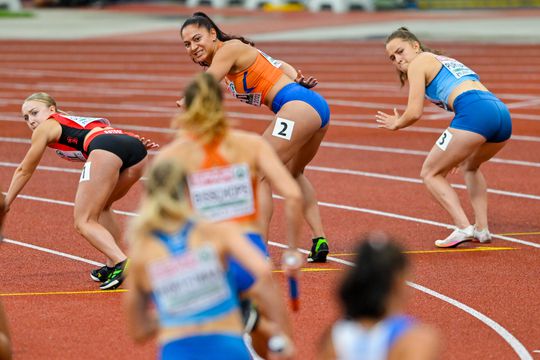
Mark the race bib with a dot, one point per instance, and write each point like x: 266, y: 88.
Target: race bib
x: 455, y: 67
x: 248, y: 98
x: 190, y: 283
x: 71, y: 155
x: 271, y: 60
x: 83, y: 121
x: 444, y: 140
x: 222, y: 193
x: 85, y: 173
x: 283, y: 128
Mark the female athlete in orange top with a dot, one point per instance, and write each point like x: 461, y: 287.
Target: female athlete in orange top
x: 223, y: 166
x: 114, y: 161
x: 302, y: 115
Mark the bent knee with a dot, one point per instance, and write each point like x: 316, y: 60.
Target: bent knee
x: 82, y: 222
x: 426, y: 174
x: 80, y: 225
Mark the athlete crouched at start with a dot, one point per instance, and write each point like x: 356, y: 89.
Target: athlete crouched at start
x: 114, y: 161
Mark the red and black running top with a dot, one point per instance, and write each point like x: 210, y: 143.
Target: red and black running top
x: 71, y: 145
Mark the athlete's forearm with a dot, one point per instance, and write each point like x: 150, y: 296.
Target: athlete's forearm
x: 19, y: 180
x: 407, y: 119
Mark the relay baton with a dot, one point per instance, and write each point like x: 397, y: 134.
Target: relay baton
x: 293, y: 293
x: 293, y: 284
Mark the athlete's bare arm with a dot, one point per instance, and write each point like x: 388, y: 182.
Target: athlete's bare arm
x: 43, y: 135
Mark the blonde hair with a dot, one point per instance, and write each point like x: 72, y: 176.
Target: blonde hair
x: 46, y: 99
x: 204, y: 116
x: 405, y: 34
x: 164, y: 200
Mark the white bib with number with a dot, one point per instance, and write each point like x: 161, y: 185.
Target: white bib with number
x: 187, y: 284
x: 455, y: 67
x: 222, y: 193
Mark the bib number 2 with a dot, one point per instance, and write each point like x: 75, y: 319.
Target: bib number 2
x: 444, y: 140
x: 283, y: 128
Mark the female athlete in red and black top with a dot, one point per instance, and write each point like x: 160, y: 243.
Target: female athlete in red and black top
x: 114, y: 161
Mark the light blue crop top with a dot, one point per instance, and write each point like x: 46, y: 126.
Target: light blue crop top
x: 452, y: 74
x: 352, y: 341
x: 190, y: 287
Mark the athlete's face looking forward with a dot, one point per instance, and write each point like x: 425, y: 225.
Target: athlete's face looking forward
x: 35, y: 112
x: 199, y: 42
x: 402, y: 52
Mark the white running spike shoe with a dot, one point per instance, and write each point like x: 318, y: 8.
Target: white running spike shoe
x: 482, y: 236
x: 457, y: 237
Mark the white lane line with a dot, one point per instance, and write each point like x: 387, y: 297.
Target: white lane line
x: 328, y: 170
x: 503, y: 333
x: 43, y: 168
x: 418, y: 220
x: 54, y: 252
x: 415, y: 152
x: 336, y: 121
x: 413, y: 180
x: 507, y: 336
x: 325, y: 204
x: 518, y: 347
x: 337, y: 146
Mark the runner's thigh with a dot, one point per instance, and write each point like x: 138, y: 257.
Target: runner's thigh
x: 294, y: 125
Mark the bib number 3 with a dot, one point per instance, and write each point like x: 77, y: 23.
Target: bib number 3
x: 283, y: 128
x: 444, y: 140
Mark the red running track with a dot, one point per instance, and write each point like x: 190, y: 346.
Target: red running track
x: 483, y: 299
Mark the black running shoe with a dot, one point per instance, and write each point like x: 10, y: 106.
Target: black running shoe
x: 101, y: 274
x: 116, y: 277
x: 319, y: 251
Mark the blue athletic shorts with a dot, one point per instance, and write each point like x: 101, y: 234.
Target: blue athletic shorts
x: 295, y: 91
x: 483, y: 113
x: 241, y: 277
x: 206, y: 347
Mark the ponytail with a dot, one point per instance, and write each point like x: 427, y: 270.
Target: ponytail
x: 202, y: 20
x: 204, y: 116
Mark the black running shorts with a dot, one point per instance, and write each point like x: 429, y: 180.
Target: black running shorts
x: 128, y: 148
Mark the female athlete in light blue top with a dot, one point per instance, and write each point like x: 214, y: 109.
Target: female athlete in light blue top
x: 373, y: 296
x: 480, y: 128
x: 182, y: 266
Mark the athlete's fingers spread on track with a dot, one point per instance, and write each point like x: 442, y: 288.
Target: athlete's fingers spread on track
x: 309, y: 83
x: 148, y: 143
x: 386, y: 121
x: 180, y: 103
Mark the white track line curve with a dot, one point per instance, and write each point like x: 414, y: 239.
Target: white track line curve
x: 516, y: 345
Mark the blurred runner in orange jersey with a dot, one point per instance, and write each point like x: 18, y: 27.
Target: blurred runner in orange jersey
x: 114, y: 161
x: 180, y: 264
x: 253, y: 77
x: 223, y: 167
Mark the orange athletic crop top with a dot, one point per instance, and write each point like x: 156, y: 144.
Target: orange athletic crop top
x: 252, y: 84
x: 223, y: 191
